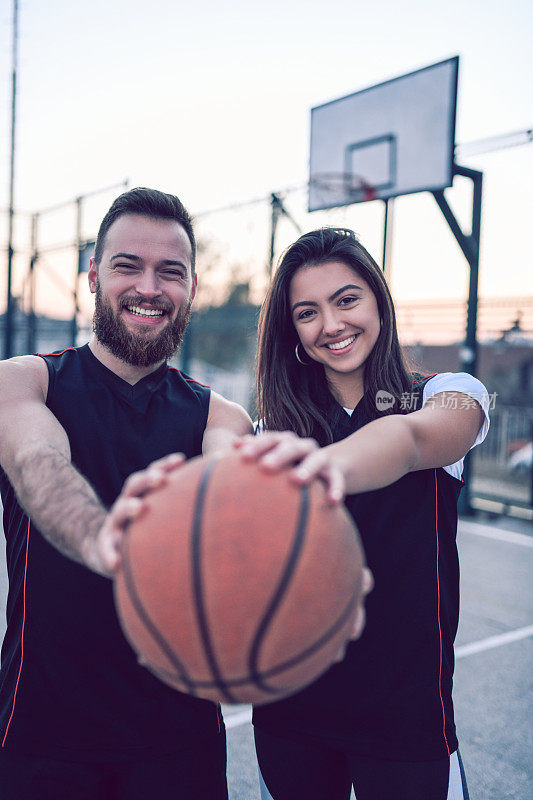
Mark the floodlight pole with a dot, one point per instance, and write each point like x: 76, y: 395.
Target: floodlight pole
x: 8, y: 332
x: 387, y: 235
x: 278, y: 209
x: 275, y: 212
x: 470, y: 245
x: 74, y: 320
x: 30, y: 330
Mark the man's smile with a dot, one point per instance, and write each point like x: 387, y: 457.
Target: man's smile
x: 145, y: 312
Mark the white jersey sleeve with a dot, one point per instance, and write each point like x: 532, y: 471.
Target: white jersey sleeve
x: 468, y: 385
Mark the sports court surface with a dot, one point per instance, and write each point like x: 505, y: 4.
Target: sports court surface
x: 494, y: 652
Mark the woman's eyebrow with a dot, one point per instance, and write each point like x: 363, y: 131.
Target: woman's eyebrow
x: 304, y: 303
x: 330, y: 299
x: 343, y: 289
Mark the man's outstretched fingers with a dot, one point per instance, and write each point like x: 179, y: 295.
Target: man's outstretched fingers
x: 110, y: 551
x: 108, y: 544
x: 125, y: 510
x: 169, y: 463
x: 140, y: 483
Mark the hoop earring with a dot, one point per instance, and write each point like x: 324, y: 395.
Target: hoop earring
x: 296, y: 353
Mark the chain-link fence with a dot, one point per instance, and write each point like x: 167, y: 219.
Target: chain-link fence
x: 503, y: 465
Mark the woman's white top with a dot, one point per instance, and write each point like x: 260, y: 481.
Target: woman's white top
x: 466, y: 384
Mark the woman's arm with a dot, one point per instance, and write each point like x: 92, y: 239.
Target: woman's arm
x: 386, y: 449
x: 379, y: 453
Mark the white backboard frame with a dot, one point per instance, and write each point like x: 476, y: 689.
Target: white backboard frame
x: 395, y: 138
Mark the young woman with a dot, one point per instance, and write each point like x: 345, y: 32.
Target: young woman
x: 338, y: 401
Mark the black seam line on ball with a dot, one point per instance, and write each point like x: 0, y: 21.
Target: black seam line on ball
x: 295, y: 660
x: 290, y: 566
x: 198, y: 588
x: 148, y: 622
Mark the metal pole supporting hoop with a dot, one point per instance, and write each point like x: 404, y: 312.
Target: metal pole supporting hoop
x: 470, y: 245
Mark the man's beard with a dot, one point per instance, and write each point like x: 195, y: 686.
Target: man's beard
x: 137, y: 350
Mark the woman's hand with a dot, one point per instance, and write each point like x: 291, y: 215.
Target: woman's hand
x: 277, y: 450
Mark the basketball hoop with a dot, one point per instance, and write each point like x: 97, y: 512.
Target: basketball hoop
x: 385, y: 141
x: 355, y: 188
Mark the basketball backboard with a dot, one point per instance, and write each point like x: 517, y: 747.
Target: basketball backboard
x: 391, y: 139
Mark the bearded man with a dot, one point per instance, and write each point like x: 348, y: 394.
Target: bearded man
x: 79, y: 717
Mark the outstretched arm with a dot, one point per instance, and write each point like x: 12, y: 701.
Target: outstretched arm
x: 379, y: 453
x: 387, y: 448
x: 35, y: 454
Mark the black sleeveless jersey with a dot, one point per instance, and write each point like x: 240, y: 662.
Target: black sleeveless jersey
x: 70, y: 685
x: 391, y: 696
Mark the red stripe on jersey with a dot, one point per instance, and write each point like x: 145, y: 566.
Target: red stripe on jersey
x: 189, y: 380
x: 425, y: 378
x: 438, y: 616
x: 22, y: 635
x: 42, y: 355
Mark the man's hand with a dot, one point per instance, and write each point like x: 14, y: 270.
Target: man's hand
x: 102, y: 554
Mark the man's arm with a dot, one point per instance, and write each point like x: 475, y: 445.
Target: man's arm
x: 226, y: 422
x: 35, y: 454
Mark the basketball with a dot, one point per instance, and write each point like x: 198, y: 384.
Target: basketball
x: 236, y: 585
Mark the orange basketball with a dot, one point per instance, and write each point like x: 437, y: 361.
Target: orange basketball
x: 236, y: 585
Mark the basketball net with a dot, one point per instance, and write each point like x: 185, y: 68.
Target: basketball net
x: 352, y: 187
x: 369, y: 193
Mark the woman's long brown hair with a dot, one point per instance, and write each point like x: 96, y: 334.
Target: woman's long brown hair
x: 295, y: 397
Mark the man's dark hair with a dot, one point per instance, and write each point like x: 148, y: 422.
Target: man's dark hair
x: 148, y: 203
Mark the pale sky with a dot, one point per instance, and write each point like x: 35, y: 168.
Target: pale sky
x: 211, y: 101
